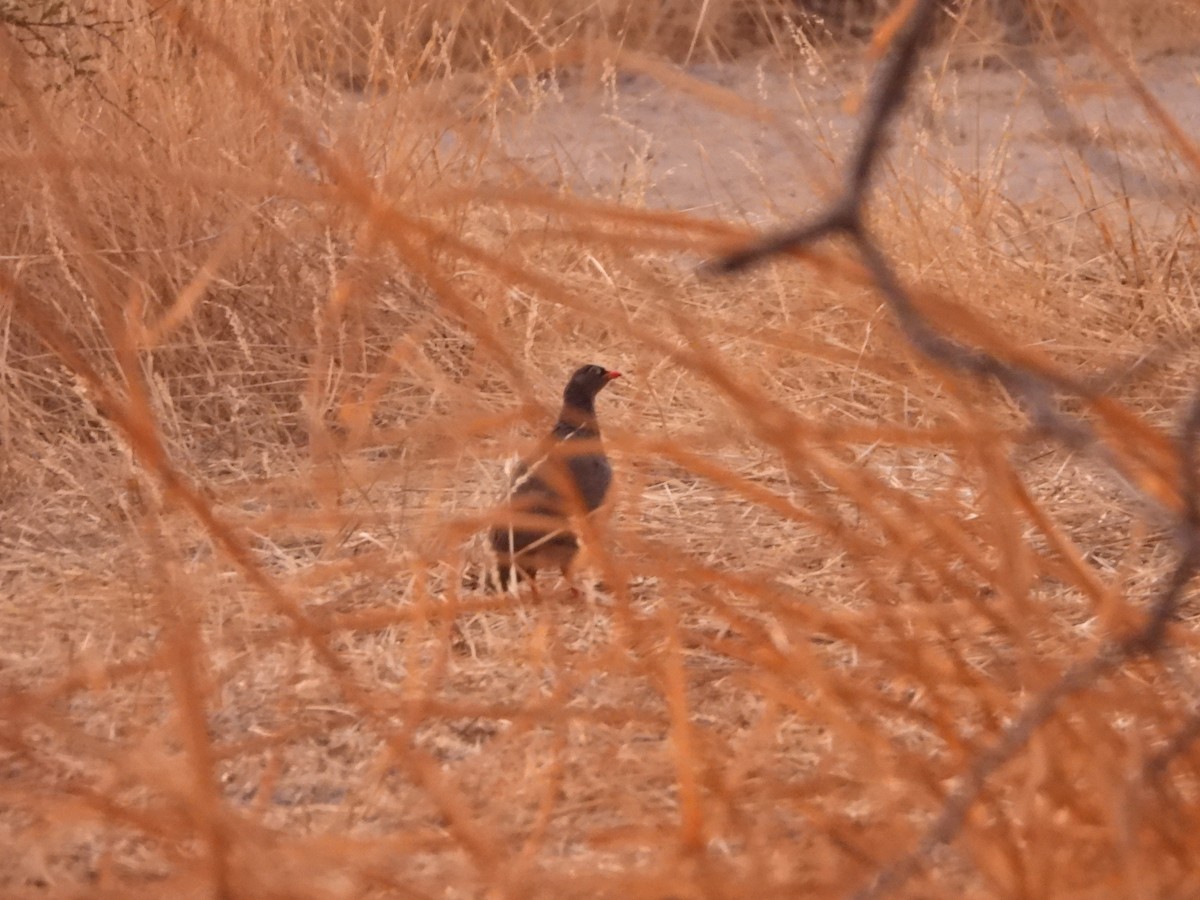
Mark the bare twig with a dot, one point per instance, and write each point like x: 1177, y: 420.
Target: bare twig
x: 1037, y: 392
x: 888, y: 92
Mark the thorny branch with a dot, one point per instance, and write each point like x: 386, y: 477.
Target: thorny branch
x: 1036, y: 391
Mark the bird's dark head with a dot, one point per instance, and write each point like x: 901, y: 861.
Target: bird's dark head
x: 585, y: 384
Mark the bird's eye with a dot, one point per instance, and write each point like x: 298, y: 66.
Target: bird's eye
x: 596, y: 370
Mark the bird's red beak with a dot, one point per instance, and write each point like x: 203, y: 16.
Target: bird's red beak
x: 610, y: 376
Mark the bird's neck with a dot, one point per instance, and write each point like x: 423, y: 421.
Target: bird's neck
x: 577, y: 415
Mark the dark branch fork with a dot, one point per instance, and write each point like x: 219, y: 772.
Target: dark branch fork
x: 1036, y: 392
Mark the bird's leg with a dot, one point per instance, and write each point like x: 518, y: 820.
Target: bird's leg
x: 572, y: 584
x: 504, y: 577
x: 571, y: 576
x: 533, y: 588
x: 500, y: 577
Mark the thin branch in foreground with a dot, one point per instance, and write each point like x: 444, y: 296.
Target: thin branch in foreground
x: 1036, y: 392
x: 888, y: 92
x: 1076, y: 679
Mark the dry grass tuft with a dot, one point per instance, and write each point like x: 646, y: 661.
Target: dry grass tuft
x: 284, y: 285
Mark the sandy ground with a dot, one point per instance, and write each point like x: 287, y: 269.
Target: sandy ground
x: 972, y: 136
x: 969, y: 128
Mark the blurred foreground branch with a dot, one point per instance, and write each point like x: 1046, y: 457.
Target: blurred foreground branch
x: 1173, y: 486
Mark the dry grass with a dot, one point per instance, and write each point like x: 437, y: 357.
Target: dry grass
x: 266, y: 342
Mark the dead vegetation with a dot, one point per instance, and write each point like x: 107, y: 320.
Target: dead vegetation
x: 275, y: 312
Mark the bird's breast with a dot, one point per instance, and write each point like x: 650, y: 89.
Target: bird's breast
x: 592, y: 475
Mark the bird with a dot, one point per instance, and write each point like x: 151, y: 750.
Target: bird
x: 570, y: 475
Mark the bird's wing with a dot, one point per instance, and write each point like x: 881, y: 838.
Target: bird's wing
x: 527, y: 476
x: 523, y: 472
